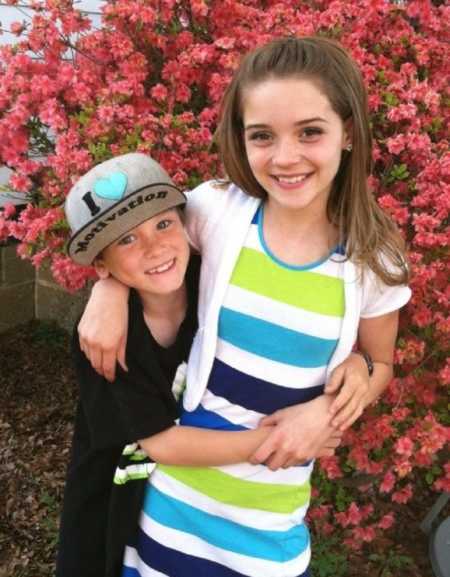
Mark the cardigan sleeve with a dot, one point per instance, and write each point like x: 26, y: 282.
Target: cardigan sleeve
x: 204, y: 209
x: 379, y: 299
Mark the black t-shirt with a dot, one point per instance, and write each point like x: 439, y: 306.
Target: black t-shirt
x: 99, y: 518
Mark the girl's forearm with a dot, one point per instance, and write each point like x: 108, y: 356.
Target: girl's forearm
x: 191, y: 446
x: 381, y: 377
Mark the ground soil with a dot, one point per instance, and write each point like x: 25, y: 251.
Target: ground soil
x: 37, y: 401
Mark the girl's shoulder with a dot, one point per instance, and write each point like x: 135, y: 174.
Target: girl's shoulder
x: 378, y: 297
x: 211, y: 191
x: 216, y: 200
x: 214, y: 209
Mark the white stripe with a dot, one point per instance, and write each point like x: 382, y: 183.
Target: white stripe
x: 262, y: 474
x: 268, y: 370
x: 250, y: 517
x: 250, y: 566
x: 233, y: 413
x: 252, y: 239
x: 132, y: 559
x: 130, y: 471
x: 282, y: 314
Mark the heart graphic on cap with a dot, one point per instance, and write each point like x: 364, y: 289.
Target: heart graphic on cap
x: 112, y: 187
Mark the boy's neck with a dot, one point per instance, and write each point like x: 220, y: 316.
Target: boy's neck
x: 163, y: 314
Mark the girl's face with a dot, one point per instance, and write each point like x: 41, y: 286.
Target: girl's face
x: 151, y: 258
x: 294, y: 142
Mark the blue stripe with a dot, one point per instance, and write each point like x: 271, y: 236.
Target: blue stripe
x: 256, y: 394
x: 274, y: 342
x: 277, y: 546
x: 208, y: 420
x: 255, y: 218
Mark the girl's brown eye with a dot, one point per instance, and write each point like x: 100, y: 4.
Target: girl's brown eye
x: 259, y: 136
x: 311, y: 132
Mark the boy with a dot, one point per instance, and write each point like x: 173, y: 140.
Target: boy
x: 125, y: 217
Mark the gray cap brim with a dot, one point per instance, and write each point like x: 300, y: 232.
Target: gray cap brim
x: 121, y: 217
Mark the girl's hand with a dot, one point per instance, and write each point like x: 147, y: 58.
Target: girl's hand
x: 350, y: 383
x: 301, y: 433
x: 103, y: 327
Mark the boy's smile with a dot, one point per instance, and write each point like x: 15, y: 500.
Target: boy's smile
x: 151, y: 258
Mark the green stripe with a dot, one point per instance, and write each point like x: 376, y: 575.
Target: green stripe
x: 247, y: 494
x: 118, y: 480
x: 138, y: 456
x: 304, y: 289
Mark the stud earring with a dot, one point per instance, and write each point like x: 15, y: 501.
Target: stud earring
x: 349, y: 147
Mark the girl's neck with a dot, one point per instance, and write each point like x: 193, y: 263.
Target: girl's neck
x: 298, y: 237
x: 163, y: 314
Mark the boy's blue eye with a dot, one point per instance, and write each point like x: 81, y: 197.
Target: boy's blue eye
x: 162, y: 224
x: 127, y: 239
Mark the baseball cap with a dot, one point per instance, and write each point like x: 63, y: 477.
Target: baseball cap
x: 114, y: 197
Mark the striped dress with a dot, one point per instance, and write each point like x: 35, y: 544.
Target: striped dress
x: 278, y: 327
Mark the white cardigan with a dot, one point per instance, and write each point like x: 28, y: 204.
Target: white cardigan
x: 218, y: 219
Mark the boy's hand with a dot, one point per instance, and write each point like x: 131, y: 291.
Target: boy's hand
x: 103, y: 327
x: 350, y: 383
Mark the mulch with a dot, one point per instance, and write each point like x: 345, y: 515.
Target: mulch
x: 38, y: 397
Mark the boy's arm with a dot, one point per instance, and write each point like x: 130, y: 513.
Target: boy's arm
x: 192, y: 446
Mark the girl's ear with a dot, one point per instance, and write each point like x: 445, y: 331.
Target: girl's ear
x: 100, y: 268
x: 348, y: 131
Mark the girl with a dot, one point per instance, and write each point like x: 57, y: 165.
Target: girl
x: 298, y: 263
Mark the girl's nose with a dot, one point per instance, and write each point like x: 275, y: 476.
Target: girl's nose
x: 287, y: 152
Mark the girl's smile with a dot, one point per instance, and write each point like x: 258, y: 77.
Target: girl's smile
x: 294, y: 141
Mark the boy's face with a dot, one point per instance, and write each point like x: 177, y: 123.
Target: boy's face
x: 151, y: 257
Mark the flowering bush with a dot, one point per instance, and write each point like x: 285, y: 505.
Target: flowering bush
x: 151, y: 80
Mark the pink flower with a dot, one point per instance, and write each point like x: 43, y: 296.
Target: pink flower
x: 365, y: 534
x: 403, y: 495
x: 386, y: 521
x: 159, y: 93
x: 17, y: 28
x: 20, y: 182
x: 388, y: 483
x: 404, y: 446
x: 396, y: 144
x: 9, y: 210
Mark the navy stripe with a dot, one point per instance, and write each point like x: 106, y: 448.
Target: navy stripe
x: 130, y: 572
x: 200, y: 417
x: 256, y: 394
x: 177, y: 564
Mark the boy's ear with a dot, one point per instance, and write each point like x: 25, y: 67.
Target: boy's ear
x: 100, y: 268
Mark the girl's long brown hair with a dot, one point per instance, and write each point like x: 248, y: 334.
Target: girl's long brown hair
x: 370, y: 236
